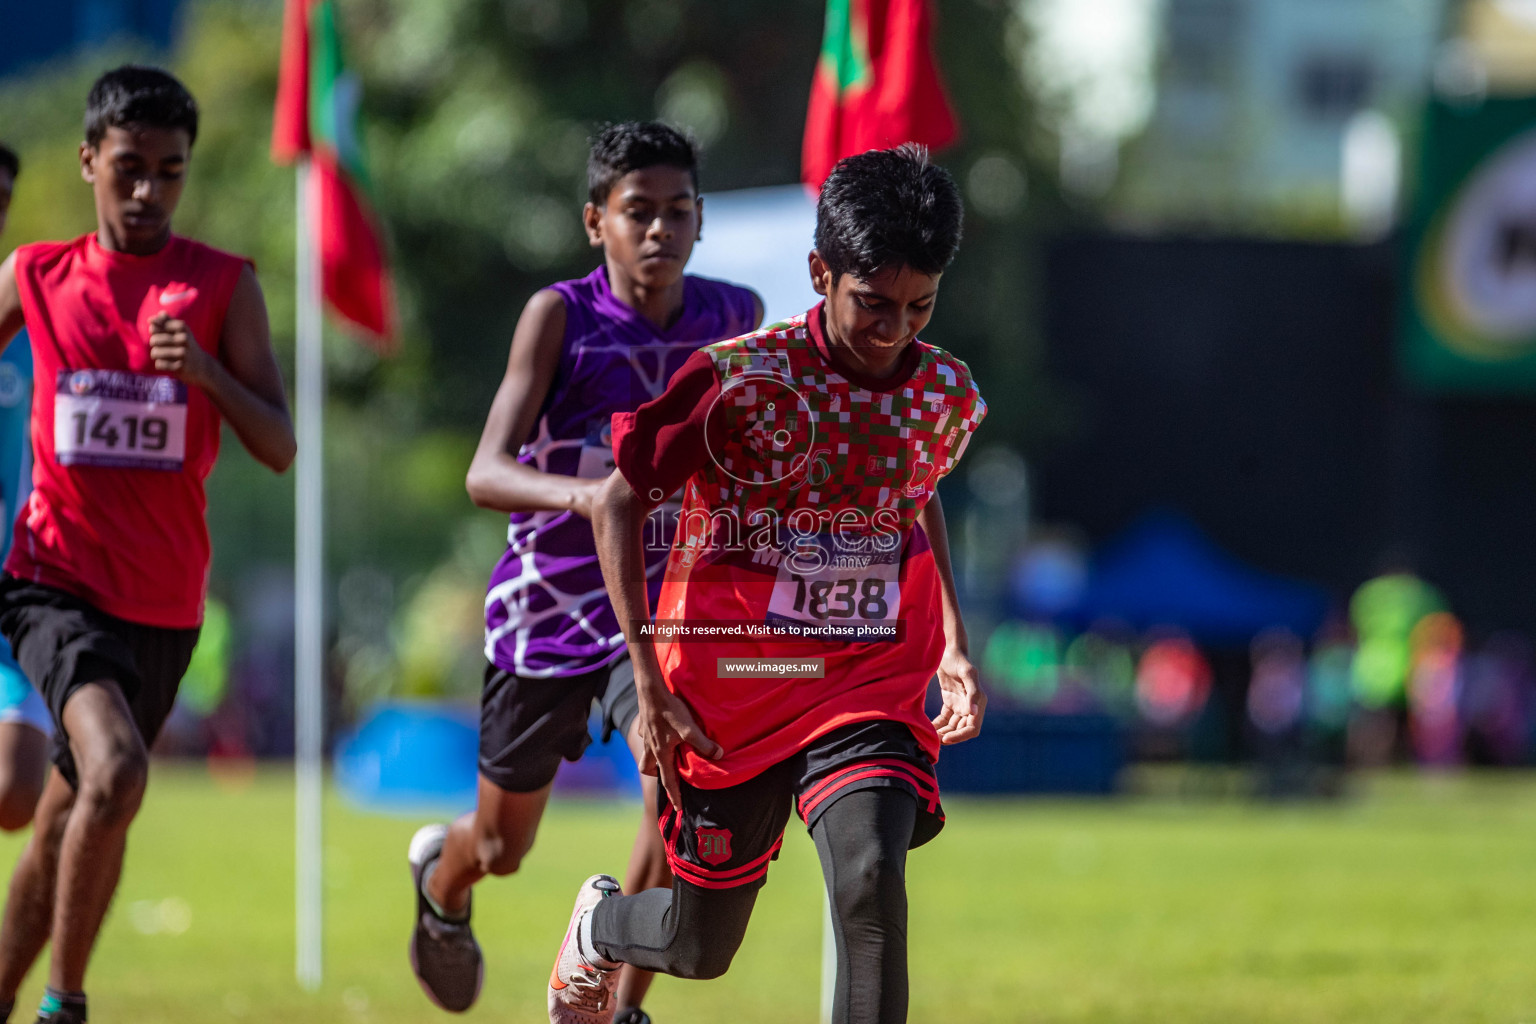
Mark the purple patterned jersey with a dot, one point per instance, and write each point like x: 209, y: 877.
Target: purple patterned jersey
x: 546, y: 609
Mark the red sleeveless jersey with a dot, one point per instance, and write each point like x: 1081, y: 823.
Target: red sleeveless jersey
x: 120, y: 451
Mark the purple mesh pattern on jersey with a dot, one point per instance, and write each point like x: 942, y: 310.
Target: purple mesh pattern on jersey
x: 546, y: 610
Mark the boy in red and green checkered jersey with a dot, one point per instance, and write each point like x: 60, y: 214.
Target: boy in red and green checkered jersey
x: 807, y: 604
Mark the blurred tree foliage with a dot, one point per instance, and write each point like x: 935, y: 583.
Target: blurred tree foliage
x: 477, y: 117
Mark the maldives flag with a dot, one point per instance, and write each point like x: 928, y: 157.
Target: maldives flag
x: 317, y: 114
x: 877, y: 85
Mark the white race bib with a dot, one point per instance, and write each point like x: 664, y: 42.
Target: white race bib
x: 596, y: 462
x: 839, y: 587
x: 119, y: 419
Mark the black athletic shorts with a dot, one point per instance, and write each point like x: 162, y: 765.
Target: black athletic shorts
x: 528, y: 724
x: 725, y: 838
x: 63, y: 642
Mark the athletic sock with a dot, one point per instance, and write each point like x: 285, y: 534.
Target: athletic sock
x: 426, y: 876
x: 586, y: 946
x: 55, y: 1001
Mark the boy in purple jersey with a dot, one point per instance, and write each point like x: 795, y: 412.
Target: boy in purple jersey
x: 582, y: 351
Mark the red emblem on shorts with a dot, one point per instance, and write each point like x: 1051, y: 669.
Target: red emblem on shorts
x: 714, y: 845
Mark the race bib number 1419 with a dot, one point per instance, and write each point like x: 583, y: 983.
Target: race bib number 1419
x: 119, y: 419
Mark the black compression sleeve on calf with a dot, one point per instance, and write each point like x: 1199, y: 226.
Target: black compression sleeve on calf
x: 689, y: 932
x: 862, y: 840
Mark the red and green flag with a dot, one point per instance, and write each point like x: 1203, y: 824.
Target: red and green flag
x: 317, y: 115
x: 877, y: 84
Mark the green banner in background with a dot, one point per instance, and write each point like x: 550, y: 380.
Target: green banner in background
x: 1469, y: 312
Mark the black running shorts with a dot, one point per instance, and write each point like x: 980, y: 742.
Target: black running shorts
x: 528, y: 724
x: 62, y: 642
x: 725, y: 838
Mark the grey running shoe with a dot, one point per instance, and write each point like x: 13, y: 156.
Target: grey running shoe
x: 444, y: 954
x: 582, y: 983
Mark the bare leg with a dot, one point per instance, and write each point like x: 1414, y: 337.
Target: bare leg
x: 491, y: 840
x: 23, y: 768
x: 113, y: 767
x: 647, y: 870
x: 29, y: 906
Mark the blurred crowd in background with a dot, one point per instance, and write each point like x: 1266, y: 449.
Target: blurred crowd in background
x: 1391, y: 677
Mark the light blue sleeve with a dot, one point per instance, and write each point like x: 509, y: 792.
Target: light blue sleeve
x: 15, y: 440
x: 18, y: 701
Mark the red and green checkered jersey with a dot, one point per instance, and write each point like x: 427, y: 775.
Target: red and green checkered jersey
x: 798, y: 537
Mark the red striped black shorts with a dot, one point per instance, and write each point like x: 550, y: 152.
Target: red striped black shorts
x: 725, y: 838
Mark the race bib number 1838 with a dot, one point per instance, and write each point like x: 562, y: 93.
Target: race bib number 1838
x: 119, y: 419
x: 838, y: 588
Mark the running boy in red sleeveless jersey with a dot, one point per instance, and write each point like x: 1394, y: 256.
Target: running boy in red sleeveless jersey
x: 811, y: 530
x: 143, y: 342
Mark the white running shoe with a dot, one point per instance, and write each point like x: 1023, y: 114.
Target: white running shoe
x: 582, y: 983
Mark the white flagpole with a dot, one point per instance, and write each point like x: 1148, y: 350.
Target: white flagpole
x: 308, y: 581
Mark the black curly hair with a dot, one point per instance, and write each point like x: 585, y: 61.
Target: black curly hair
x: 888, y: 208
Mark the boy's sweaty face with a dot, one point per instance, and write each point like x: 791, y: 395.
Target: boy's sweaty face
x: 648, y: 225
x: 870, y: 322
x: 136, y: 175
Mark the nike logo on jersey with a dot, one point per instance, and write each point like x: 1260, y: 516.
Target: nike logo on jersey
x: 180, y: 295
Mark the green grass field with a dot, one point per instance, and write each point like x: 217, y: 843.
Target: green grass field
x: 1415, y: 900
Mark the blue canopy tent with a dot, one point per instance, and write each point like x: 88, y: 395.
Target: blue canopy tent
x: 1164, y: 571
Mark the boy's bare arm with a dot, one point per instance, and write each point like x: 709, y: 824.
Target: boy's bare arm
x: 10, y: 302
x: 618, y: 523
x: 496, y: 479
x: 244, y: 381
x: 964, y: 702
